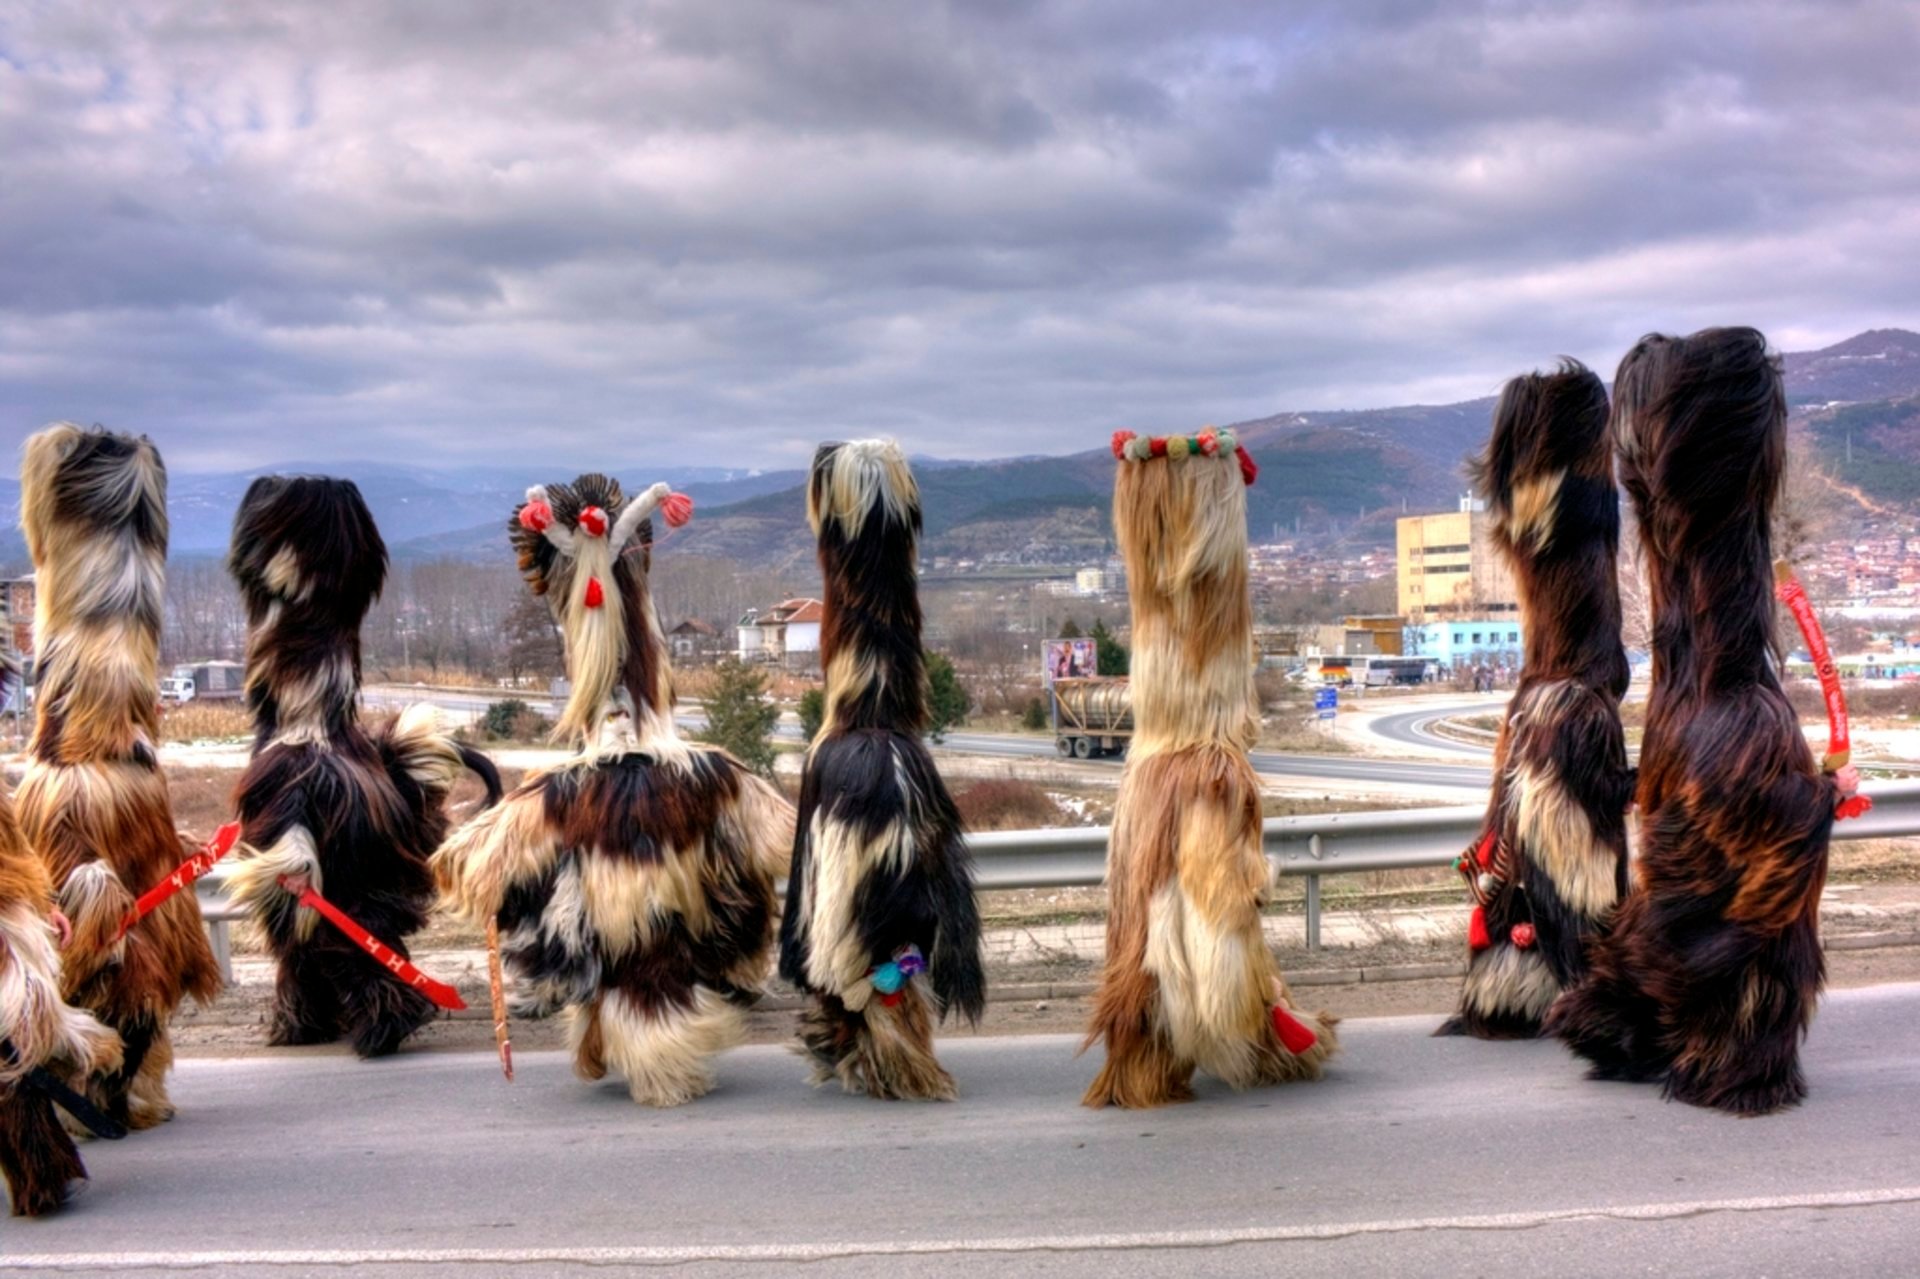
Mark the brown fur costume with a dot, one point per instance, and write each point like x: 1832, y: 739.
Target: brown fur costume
x: 1189, y: 981
x: 93, y: 803
x: 354, y: 813
x: 1709, y: 977
x: 1552, y: 862
x: 879, y: 862
x: 633, y: 884
x: 37, y: 1029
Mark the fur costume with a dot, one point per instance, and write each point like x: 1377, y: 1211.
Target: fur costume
x: 879, y: 862
x: 93, y: 803
x: 37, y: 1028
x: 1708, y: 978
x: 1552, y: 861
x: 633, y: 884
x: 1189, y: 981
x: 355, y: 814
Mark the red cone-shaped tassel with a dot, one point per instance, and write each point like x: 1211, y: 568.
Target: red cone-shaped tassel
x: 1484, y: 853
x: 1248, y: 471
x: 1477, y: 937
x: 1295, y: 1035
x: 677, y: 508
x: 595, y: 596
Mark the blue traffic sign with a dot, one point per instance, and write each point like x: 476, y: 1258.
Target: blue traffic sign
x: 1326, y: 701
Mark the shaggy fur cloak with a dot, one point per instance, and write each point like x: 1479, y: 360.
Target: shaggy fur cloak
x: 37, y: 1028
x: 1710, y: 974
x: 1552, y: 860
x: 633, y: 884
x: 93, y: 803
x: 1189, y: 982
x: 879, y: 861
x: 354, y: 813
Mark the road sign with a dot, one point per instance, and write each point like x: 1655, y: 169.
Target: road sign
x: 1326, y: 701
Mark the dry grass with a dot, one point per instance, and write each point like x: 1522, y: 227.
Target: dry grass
x: 205, y: 722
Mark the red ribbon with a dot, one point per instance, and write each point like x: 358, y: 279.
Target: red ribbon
x: 1839, y: 737
x: 443, y: 995
x: 185, y: 873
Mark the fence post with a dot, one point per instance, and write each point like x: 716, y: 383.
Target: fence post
x: 1313, y: 897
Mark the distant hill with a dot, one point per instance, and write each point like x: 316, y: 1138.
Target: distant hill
x: 1341, y: 475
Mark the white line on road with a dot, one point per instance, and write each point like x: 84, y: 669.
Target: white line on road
x: 805, y: 1252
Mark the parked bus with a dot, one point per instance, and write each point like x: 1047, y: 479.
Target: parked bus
x: 1383, y: 672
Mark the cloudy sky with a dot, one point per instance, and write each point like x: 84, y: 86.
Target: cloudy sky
x: 718, y: 232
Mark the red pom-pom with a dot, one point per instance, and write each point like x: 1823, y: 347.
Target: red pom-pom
x: 1295, y: 1035
x: 595, y: 596
x: 1157, y: 447
x: 892, y: 999
x: 1852, y: 806
x: 1477, y: 938
x: 1120, y: 441
x: 593, y: 522
x: 536, y: 516
x: 1249, y: 472
x: 1209, y: 442
x: 1521, y: 935
x: 677, y: 509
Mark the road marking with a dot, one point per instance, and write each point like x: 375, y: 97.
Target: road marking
x: 803, y: 1252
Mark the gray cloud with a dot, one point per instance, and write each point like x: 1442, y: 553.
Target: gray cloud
x: 620, y: 232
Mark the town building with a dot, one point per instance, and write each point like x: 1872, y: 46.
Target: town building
x: 788, y: 634
x: 1448, y: 566
x: 694, y: 642
x: 1467, y: 642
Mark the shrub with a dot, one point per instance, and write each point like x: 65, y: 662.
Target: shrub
x: 740, y: 715
x: 502, y: 717
x: 1034, y: 718
x: 1004, y: 803
x: 813, y: 712
x: 947, y: 698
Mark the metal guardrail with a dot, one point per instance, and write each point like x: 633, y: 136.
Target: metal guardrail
x: 1308, y: 847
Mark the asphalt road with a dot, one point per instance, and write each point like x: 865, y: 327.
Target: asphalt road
x: 1005, y: 746
x: 1414, y: 1156
x: 1415, y: 728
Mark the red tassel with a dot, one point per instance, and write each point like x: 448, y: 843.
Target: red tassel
x: 1477, y: 938
x: 1521, y: 935
x: 1484, y: 853
x: 1295, y: 1035
x: 595, y: 596
x: 1853, y: 806
x: 535, y: 517
x: 1249, y: 472
x: 677, y: 508
x: 593, y: 522
x: 1120, y: 441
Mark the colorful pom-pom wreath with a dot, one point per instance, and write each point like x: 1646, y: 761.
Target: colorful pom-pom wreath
x: 536, y: 517
x: 593, y: 522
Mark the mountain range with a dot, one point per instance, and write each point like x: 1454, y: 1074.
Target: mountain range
x: 1336, y: 476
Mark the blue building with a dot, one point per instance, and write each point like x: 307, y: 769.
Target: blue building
x: 1482, y: 642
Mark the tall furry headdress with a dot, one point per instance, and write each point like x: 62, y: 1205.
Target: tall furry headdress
x: 588, y: 548
x: 309, y: 562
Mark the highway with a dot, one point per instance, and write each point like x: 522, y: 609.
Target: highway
x: 1415, y: 728
x: 1414, y: 1156
x: 1354, y: 768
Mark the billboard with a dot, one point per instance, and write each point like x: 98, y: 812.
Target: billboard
x: 1071, y: 659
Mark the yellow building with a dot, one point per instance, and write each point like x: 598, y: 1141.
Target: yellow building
x: 1448, y: 566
